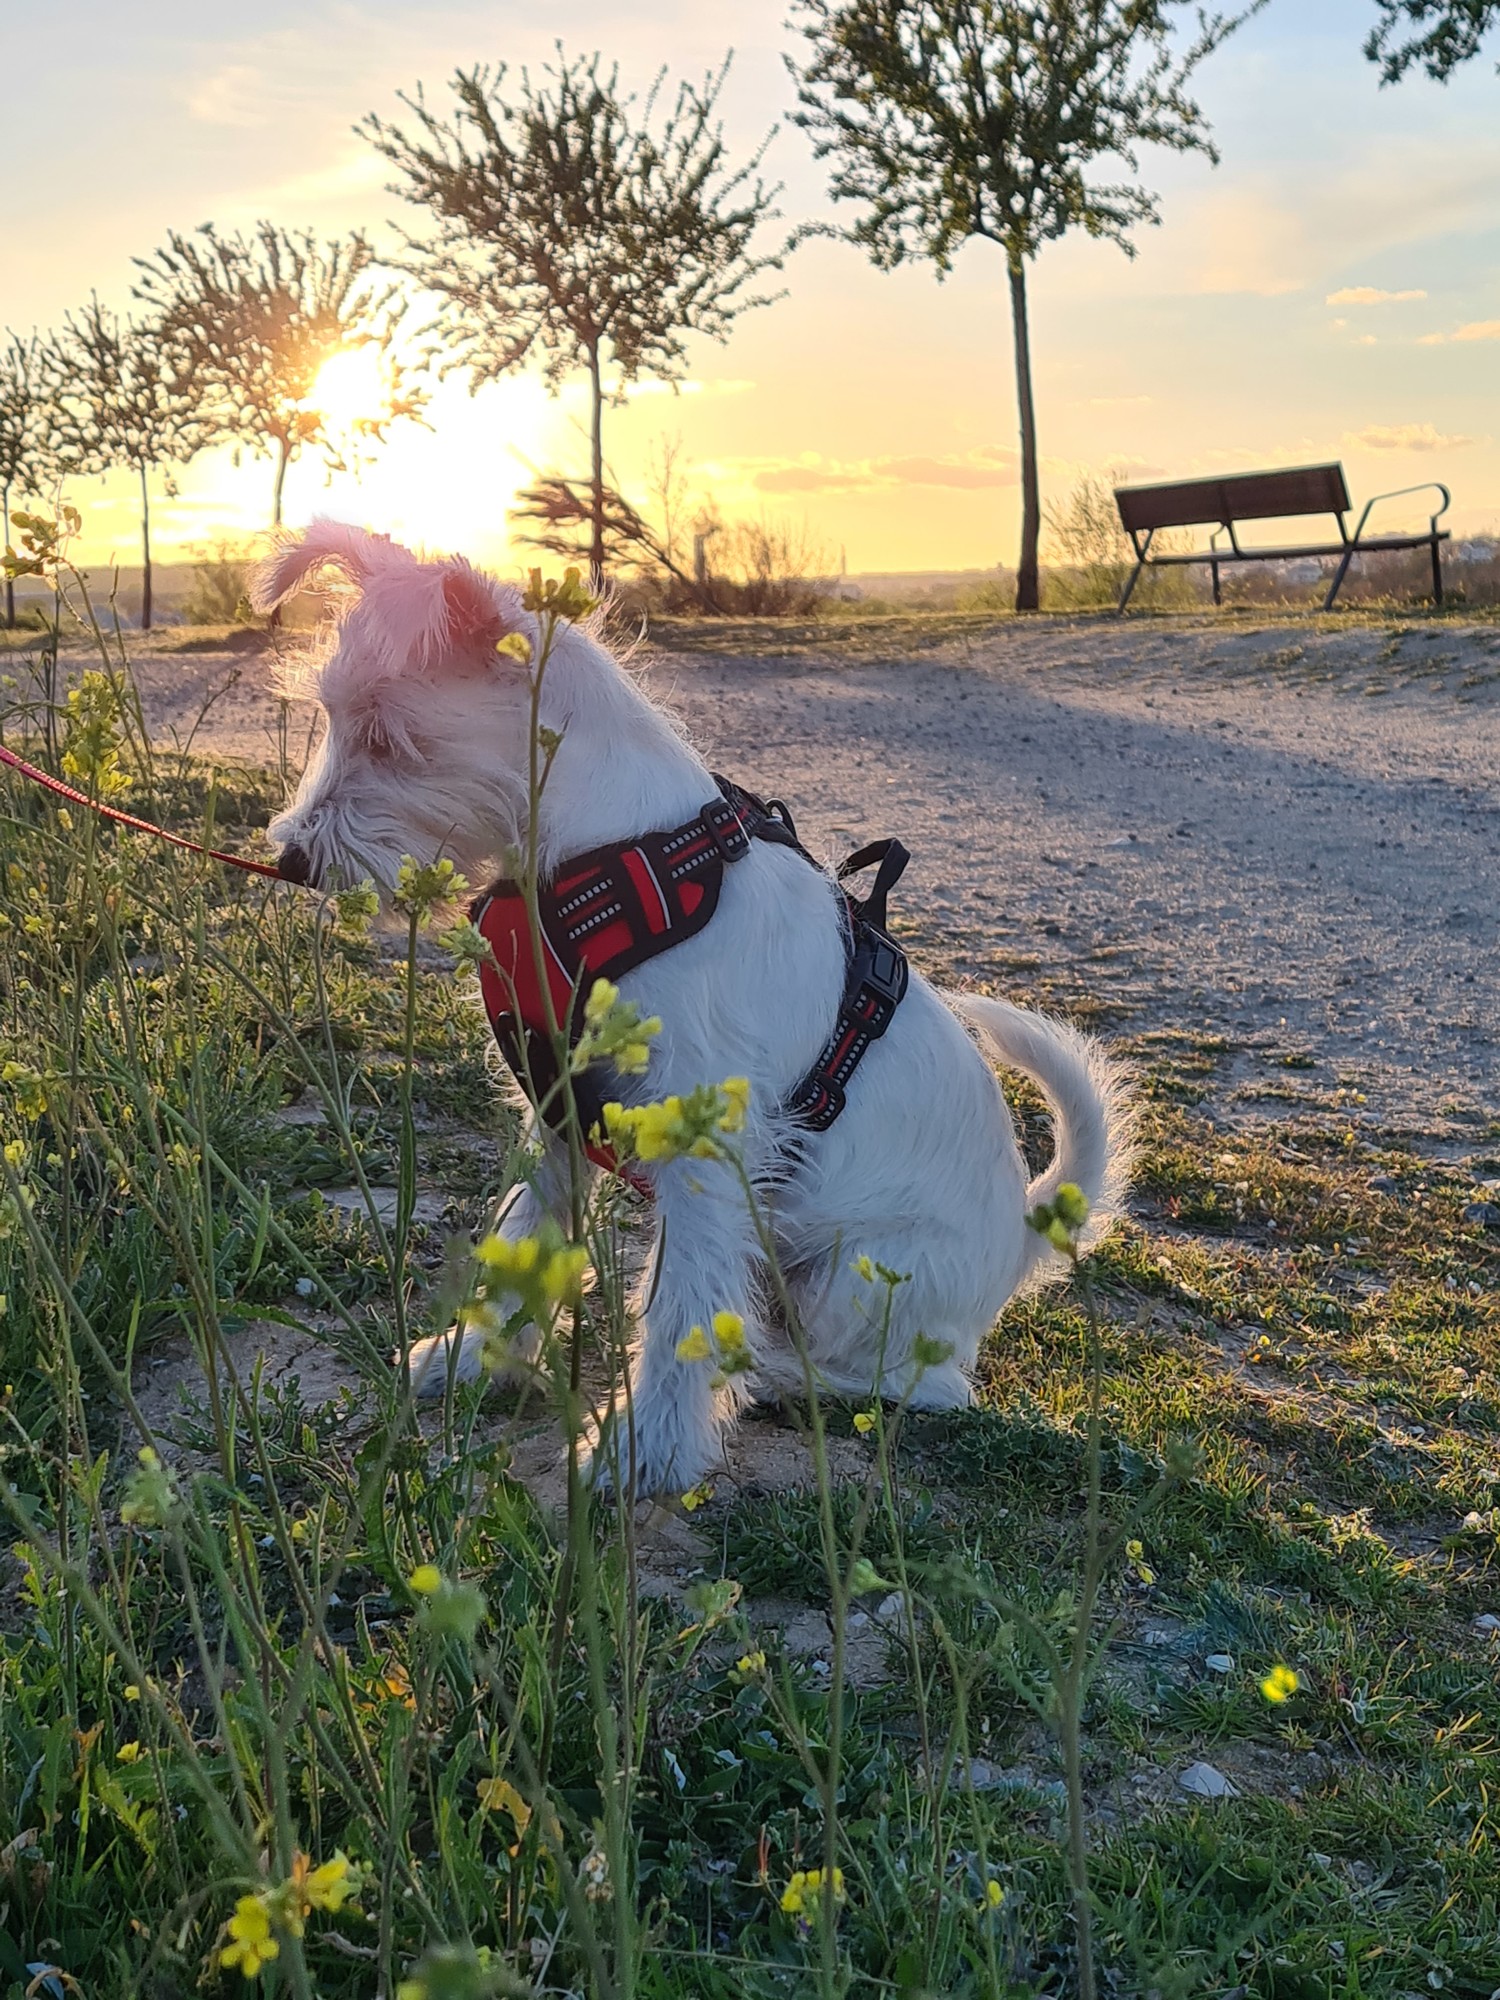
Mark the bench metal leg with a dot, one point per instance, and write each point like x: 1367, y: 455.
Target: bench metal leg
x: 1218, y: 593
x: 1437, y: 575
x: 1129, y: 591
x: 1338, y: 581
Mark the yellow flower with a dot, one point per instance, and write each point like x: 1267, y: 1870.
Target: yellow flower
x: 736, y: 1091
x: 804, y: 1892
x: 994, y: 1894
x: 749, y: 1666
x: 514, y: 646
x: 694, y: 1346
x: 603, y: 996
x: 426, y: 1580
x: 129, y: 1753
x: 729, y: 1330
x: 865, y: 1266
x: 1280, y: 1683
x: 864, y: 1422
x: 328, y: 1887
x: 421, y: 886
x: 251, y: 1944
x: 679, y: 1127
x: 697, y: 1496
x: 132, y: 1692
x: 551, y: 599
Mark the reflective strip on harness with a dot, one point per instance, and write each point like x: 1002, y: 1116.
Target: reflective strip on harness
x: 612, y: 909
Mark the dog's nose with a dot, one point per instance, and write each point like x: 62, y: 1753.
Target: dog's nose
x: 294, y: 864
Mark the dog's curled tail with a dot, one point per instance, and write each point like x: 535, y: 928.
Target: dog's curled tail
x: 1093, y: 1141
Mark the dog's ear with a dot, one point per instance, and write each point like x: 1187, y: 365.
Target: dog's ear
x: 355, y: 551
x: 472, y: 612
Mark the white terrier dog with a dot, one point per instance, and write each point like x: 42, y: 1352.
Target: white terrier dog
x: 426, y: 752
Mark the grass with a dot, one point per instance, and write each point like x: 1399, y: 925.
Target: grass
x: 566, y: 1771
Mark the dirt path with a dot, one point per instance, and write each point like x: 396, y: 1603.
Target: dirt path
x: 1288, y: 834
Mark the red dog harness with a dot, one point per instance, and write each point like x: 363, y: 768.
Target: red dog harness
x: 611, y: 909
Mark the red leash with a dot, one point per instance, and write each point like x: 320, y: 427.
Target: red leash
x: 129, y: 819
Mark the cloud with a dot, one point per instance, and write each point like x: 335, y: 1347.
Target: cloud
x: 234, y: 95
x: 1406, y: 437
x: 1367, y: 295
x: 1477, y: 329
x: 986, y: 467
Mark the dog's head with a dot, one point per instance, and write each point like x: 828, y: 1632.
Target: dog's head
x: 424, y: 750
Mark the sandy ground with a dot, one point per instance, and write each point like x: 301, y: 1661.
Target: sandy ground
x: 1285, y: 832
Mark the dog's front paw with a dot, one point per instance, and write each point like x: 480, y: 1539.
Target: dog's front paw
x: 651, y: 1454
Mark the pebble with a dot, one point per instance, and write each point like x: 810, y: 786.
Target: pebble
x: 304, y: 1288
x: 1382, y: 1184
x: 1220, y: 1663
x: 1485, y: 1213
x: 1487, y: 1625
x: 1205, y: 1782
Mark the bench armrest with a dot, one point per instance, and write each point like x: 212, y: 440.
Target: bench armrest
x: 1426, y: 486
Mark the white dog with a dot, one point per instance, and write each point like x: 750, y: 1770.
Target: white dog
x: 426, y: 752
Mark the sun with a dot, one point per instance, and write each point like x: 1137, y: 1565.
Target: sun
x: 350, y: 388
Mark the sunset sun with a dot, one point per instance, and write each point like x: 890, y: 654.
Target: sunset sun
x: 350, y: 388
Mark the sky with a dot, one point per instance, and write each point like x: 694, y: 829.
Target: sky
x: 1330, y: 290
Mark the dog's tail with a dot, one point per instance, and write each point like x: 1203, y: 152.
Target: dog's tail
x: 1085, y: 1092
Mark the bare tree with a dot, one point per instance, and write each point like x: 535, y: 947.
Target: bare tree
x: 573, y: 224
x: 27, y: 424
x: 257, y: 318
x: 949, y: 119
x: 1440, y: 35
x: 123, y: 398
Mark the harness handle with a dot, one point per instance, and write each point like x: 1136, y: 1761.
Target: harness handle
x: 892, y: 857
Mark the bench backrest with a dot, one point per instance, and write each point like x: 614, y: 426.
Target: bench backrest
x: 1240, y: 496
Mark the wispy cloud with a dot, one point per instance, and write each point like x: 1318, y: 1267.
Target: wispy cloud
x: 1369, y: 295
x: 1477, y: 329
x: 987, y: 466
x: 1406, y: 437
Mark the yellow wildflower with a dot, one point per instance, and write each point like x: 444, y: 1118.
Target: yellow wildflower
x: 694, y: 1346
x: 1280, y: 1684
x: 736, y: 1091
x: 698, y: 1496
x: 129, y: 1753
x: 994, y: 1894
x: 500, y: 1795
x: 864, y: 1421
x: 804, y: 1893
x: 251, y: 1944
x: 426, y: 1580
x: 749, y: 1666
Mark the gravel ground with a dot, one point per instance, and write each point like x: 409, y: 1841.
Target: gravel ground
x: 1284, y: 833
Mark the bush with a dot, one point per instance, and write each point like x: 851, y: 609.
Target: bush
x: 219, y: 591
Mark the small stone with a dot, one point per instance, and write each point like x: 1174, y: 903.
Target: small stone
x: 890, y: 1610
x: 1204, y: 1782
x: 1485, y: 1213
x: 807, y: 1633
x: 304, y: 1288
x: 1382, y: 1184
x: 1220, y: 1663
x: 1487, y: 1625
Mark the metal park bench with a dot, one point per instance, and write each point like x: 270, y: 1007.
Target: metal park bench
x: 1266, y: 496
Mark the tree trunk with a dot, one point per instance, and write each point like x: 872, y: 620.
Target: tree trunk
x: 145, y: 553
x: 283, y: 459
x: 1028, y: 582
x: 596, y: 476
x: 10, y: 586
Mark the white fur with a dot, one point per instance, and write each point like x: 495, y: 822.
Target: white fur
x: 426, y: 751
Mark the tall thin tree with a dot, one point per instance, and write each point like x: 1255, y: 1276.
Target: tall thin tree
x: 124, y: 399
x: 27, y: 425
x: 256, y: 320
x: 573, y: 224
x: 1435, y: 35
x: 949, y: 119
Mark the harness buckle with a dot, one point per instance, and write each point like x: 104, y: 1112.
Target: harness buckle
x: 722, y: 818
x: 883, y: 967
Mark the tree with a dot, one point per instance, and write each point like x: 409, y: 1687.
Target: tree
x: 258, y: 319
x: 27, y: 419
x: 124, y: 398
x: 1449, y: 33
x: 571, y: 224
x: 950, y: 119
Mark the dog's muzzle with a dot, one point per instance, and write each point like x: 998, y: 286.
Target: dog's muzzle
x: 294, y: 864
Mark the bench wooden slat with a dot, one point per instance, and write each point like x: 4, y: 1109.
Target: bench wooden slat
x: 1240, y: 496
